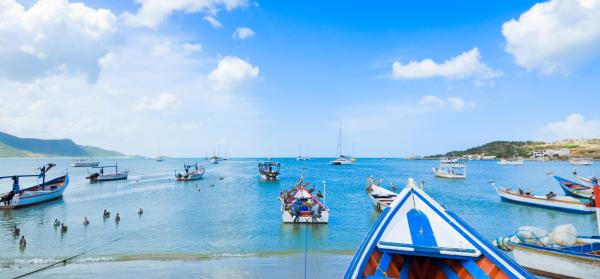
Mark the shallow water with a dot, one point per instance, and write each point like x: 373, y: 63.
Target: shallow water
x: 239, y: 216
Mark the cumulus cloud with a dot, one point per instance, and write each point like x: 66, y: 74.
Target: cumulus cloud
x: 454, y: 103
x: 554, y: 36
x: 232, y: 72
x: 213, y: 22
x: 192, y: 47
x: 53, y: 36
x: 574, y: 126
x: 153, y: 12
x: 243, y: 33
x: 430, y: 100
x: 161, y: 102
x: 465, y: 65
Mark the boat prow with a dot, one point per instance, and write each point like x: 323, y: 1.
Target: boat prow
x: 574, y: 189
x: 416, y: 237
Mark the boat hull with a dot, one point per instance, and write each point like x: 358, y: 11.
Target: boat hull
x: 85, y: 164
x: 190, y: 178
x: 554, y: 264
x: 448, y: 175
x: 538, y: 201
x: 269, y: 176
x: 29, y: 198
x: 287, y: 218
x: 111, y: 177
x: 574, y: 189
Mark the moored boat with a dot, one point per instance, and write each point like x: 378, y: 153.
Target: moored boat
x: 341, y: 159
x: 43, y: 192
x: 269, y: 170
x: 451, y: 168
x: 581, y: 161
x: 511, y: 161
x: 574, y: 189
x: 84, y: 163
x: 564, y: 203
x: 380, y: 197
x: 299, y: 205
x: 587, y: 180
x: 214, y: 160
x: 416, y: 237
x: 101, y: 176
x: 191, y: 172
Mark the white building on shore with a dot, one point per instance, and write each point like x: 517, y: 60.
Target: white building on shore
x: 551, y: 153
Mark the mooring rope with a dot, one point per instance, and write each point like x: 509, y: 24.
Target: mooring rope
x: 65, y: 260
x: 305, y: 247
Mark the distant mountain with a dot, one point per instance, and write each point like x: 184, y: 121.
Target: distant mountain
x: 505, y: 149
x: 12, y: 146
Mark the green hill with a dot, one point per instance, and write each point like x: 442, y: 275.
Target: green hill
x: 15, y: 147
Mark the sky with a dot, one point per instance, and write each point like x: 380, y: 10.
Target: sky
x: 256, y: 78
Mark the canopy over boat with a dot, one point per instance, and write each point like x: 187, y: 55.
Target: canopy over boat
x: 416, y: 237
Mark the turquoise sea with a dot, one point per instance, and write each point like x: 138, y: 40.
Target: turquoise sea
x: 231, y: 226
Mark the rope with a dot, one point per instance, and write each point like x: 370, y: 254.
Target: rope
x: 65, y: 260
x: 305, y: 247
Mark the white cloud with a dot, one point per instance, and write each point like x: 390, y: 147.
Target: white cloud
x: 458, y: 104
x: 465, y: 65
x: 555, y: 36
x: 574, y: 126
x: 53, y: 35
x: 430, y: 100
x: 213, y: 22
x: 243, y: 33
x: 454, y: 103
x: 192, y: 47
x: 153, y: 12
x: 232, y: 72
x: 161, y: 102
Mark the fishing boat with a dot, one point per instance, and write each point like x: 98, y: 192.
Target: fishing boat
x: 101, y: 176
x: 381, y: 197
x: 587, y: 180
x: 341, y: 159
x: 581, y: 161
x: 43, y: 192
x: 269, y: 170
x: 416, y: 237
x: 574, y: 189
x: 84, y: 163
x: 191, y: 172
x: 511, y: 161
x: 299, y: 205
x: 564, y: 203
x: 451, y: 169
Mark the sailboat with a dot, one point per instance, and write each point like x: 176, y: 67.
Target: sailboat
x: 416, y: 237
x: 341, y: 159
x: 43, y: 192
x: 303, y: 158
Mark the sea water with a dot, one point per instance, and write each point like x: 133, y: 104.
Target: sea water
x: 229, y: 223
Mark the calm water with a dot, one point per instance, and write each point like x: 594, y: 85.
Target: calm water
x: 238, y: 216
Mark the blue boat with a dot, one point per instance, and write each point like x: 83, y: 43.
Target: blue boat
x: 574, y: 189
x: 416, y: 237
x: 43, y: 192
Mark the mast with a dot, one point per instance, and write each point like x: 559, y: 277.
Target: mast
x: 340, y: 141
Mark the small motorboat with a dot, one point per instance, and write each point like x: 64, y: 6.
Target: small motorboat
x: 101, y: 176
x: 564, y: 203
x: 511, y: 161
x: 43, y: 192
x: 581, y: 161
x: 191, y: 172
x: 269, y: 170
x: 299, y: 205
x: 84, y: 163
x: 574, y: 189
x: 416, y: 237
x: 451, y: 168
x: 381, y: 197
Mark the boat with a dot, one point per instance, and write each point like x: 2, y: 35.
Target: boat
x: 299, y: 205
x: 160, y: 158
x: 416, y: 237
x: 191, y: 172
x: 581, y: 161
x: 551, y: 201
x: 100, y: 176
x: 587, y: 180
x: 84, y: 163
x: 269, y: 170
x: 341, y: 159
x: 515, y: 160
x: 574, y: 189
x: 452, y: 169
x: 448, y: 160
x: 380, y: 197
x: 301, y: 157
x: 43, y: 192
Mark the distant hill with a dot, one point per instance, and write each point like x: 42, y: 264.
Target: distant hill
x: 12, y: 146
x: 504, y: 149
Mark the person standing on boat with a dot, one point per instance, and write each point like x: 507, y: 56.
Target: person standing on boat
x: 296, y: 210
x: 315, y: 210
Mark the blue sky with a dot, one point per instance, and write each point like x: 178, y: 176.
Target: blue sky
x: 405, y: 78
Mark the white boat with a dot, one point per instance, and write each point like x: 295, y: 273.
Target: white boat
x: 451, y: 169
x: 511, y: 161
x: 448, y: 160
x: 84, y: 163
x: 301, y: 157
x: 299, y: 205
x: 43, y: 192
x: 191, y: 172
x: 160, y: 158
x: 581, y: 161
x: 214, y: 160
x: 380, y: 197
x: 101, y: 176
x: 341, y: 159
x: 416, y: 237
x: 564, y: 203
